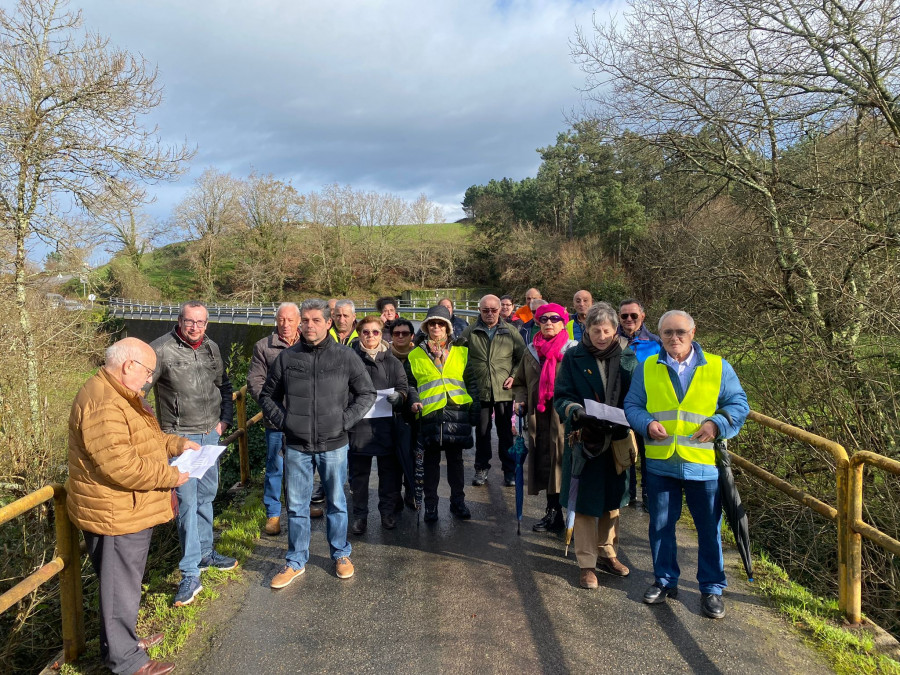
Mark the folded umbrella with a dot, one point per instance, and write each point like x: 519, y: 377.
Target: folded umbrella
x: 732, y: 506
x: 578, y: 463
x: 403, y: 449
x: 518, y: 452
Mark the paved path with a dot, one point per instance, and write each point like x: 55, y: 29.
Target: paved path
x: 472, y: 597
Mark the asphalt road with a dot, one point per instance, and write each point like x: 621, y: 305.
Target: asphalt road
x: 473, y: 597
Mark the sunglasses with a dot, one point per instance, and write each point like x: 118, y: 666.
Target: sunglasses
x: 371, y: 332
x: 677, y: 332
x: 490, y: 310
x: 401, y: 333
x: 555, y: 318
x: 626, y: 316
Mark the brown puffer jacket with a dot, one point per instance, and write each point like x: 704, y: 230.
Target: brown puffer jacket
x: 119, y: 474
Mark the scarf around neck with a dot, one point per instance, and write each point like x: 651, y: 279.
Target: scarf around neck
x: 438, y: 351
x: 612, y: 356
x: 372, y: 353
x: 402, y: 354
x: 550, y: 353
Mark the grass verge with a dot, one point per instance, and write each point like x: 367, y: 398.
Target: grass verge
x: 239, y: 525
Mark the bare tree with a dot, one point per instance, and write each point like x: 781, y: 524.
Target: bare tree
x: 130, y: 232
x: 70, y: 131
x: 208, y: 211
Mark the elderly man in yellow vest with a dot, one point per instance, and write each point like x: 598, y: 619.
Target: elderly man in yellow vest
x: 682, y: 400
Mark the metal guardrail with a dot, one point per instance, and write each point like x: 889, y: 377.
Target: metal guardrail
x: 847, y: 515
x: 255, y: 315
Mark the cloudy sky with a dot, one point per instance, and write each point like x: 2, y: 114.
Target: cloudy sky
x: 402, y: 96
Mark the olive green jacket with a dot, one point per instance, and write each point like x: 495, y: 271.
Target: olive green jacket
x: 491, y: 362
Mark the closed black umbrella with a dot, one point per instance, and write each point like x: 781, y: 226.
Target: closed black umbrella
x: 732, y: 506
x: 403, y: 449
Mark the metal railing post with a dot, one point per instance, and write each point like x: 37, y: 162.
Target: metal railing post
x: 70, y: 597
x: 243, y: 445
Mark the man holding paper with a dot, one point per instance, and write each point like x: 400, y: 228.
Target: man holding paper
x: 681, y: 400
x: 377, y: 434
x: 118, y: 489
x: 315, y: 392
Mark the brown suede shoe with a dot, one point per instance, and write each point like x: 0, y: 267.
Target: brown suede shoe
x: 155, y: 668
x: 343, y: 568
x: 612, y: 566
x: 316, y: 511
x: 273, y: 526
x: 151, y: 641
x: 588, y: 578
x: 286, y: 576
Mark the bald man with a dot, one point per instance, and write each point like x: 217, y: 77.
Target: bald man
x: 526, y: 311
x: 581, y: 303
x: 119, y: 488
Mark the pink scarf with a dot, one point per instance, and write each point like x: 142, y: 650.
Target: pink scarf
x: 550, y: 353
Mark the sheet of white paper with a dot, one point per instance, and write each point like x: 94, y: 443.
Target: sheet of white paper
x: 381, y: 408
x: 606, y: 412
x: 196, y: 462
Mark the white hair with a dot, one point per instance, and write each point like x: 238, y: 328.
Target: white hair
x: 345, y: 303
x: 287, y: 305
x: 124, y: 350
x: 675, y: 312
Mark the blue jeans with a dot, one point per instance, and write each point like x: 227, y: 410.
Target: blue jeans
x: 704, y: 503
x: 195, y: 512
x: 274, y: 471
x: 298, y: 482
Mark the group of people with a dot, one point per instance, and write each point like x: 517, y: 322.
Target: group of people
x: 573, y: 378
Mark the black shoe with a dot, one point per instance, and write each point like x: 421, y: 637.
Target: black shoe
x: 318, y: 495
x: 509, y: 479
x: 480, y: 477
x: 546, y: 523
x: 461, y: 511
x: 359, y: 526
x: 712, y: 606
x: 431, y: 515
x: 388, y: 522
x: 657, y: 593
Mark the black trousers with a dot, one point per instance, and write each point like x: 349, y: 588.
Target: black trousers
x: 502, y: 410
x: 455, y: 478
x: 388, y: 483
x: 119, y: 562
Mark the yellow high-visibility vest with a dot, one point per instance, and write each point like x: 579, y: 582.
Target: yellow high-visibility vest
x: 347, y: 341
x: 435, y: 386
x: 682, y: 419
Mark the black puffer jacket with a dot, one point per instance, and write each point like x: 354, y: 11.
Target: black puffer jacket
x: 315, y: 393
x: 377, y: 436
x: 451, y: 426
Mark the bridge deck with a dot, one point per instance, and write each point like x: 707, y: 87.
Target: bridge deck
x: 474, y: 597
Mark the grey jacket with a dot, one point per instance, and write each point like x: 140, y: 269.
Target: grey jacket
x: 265, y: 352
x: 193, y: 392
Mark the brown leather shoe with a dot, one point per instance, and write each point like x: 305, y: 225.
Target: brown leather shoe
x: 612, y: 566
x: 343, y: 568
x: 151, y: 641
x: 273, y: 526
x: 316, y: 511
x: 155, y: 668
x: 588, y: 579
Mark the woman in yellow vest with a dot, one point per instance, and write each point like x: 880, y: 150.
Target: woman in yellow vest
x: 597, y: 369
x: 446, y: 405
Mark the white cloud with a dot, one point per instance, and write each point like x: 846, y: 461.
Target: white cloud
x: 403, y: 96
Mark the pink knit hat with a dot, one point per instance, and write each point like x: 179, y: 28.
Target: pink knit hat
x: 551, y: 307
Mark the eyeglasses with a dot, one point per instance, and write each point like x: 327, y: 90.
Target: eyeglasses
x: 555, y: 318
x: 490, y: 310
x: 675, y: 332
x: 626, y: 316
x: 401, y: 333
x: 191, y: 323
x: 371, y: 332
x: 149, y: 370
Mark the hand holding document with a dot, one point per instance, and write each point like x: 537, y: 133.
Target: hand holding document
x: 606, y: 412
x: 382, y: 407
x: 196, y: 462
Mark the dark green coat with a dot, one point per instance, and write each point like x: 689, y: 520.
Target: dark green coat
x: 600, y: 489
x: 491, y: 362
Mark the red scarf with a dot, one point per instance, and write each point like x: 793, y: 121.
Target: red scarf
x: 550, y: 352
x: 192, y: 345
